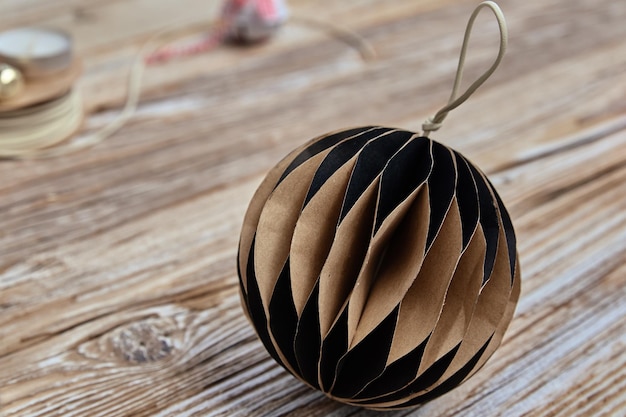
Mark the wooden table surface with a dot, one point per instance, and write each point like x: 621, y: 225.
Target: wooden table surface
x: 118, y: 288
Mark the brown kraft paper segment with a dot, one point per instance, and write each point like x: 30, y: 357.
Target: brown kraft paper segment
x: 276, y: 226
x: 345, y: 258
x: 314, y: 233
x: 422, y: 304
x: 361, y: 319
x: 459, y: 304
x: 255, y: 208
x: 494, y: 343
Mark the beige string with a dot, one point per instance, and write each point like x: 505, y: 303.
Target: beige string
x: 348, y: 36
x: 434, y: 123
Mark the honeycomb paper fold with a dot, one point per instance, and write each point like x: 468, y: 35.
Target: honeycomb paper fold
x: 378, y: 266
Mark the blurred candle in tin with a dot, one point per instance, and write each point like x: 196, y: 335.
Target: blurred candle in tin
x: 37, y: 52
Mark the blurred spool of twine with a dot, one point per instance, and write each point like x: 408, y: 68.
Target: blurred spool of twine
x: 28, y: 131
x: 37, y: 131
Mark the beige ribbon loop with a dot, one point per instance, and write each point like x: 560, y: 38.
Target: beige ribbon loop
x: 434, y: 123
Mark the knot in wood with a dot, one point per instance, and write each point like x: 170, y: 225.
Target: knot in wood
x: 142, y: 342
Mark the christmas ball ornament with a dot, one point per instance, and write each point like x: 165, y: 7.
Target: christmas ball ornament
x: 11, y: 81
x: 378, y: 265
x: 254, y: 20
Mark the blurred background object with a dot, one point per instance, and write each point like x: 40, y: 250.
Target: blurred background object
x: 11, y: 81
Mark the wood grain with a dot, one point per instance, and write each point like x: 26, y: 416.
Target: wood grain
x: 118, y: 289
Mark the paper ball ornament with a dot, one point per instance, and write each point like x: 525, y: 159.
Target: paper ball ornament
x: 378, y: 266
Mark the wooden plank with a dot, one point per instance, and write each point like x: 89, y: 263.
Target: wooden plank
x: 118, y: 290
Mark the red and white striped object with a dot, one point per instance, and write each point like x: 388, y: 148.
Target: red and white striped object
x: 254, y: 20
x: 240, y: 20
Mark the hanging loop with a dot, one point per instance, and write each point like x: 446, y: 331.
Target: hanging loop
x: 434, y: 123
